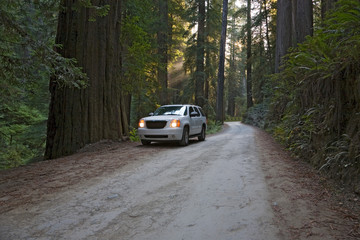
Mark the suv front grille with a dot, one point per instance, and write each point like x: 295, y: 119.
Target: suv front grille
x: 156, y: 136
x: 155, y: 124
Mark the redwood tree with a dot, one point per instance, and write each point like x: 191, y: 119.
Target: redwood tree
x: 163, y: 39
x: 249, y: 97
x: 294, y: 23
x: 81, y: 116
x: 200, y: 48
x: 283, y: 31
x: 327, y: 5
x: 221, y: 74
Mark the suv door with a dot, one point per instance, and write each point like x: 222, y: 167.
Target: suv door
x: 198, y: 121
x: 192, y: 122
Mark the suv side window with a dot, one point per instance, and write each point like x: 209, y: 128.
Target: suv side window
x: 185, y: 113
x: 202, y: 112
x: 197, y: 111
x: 191, y: 110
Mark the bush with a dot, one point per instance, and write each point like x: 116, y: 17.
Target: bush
x: 134, y: 137
x: 213, y: 127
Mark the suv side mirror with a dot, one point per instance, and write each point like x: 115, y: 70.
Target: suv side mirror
x: 151, y: 114
x: 193, y: 114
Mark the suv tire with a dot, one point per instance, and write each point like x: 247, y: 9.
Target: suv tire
x: 185, y: 137
x: 145, y: 142
x: 202, y: 134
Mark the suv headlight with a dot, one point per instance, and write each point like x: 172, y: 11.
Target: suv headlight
x: 175, y: 123
x: 141, y: 123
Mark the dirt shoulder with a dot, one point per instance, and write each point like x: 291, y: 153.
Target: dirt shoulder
x: 303, y: 201
x: 30, y: 184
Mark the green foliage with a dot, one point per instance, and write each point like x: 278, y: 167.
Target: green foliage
x: 97, y: 11
x: 22, y: 134
x: 256, y: 115
x: 233, y: 119
x: 134, y: 137
x: 27, y: 60
x: 315, y: 105
x: 213, y: 127
x: 138, y: 60
x: 139, y: 57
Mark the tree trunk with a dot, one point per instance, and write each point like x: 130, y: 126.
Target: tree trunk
x: 326, y: 5
x: 162, y: 39
x: 221, y: 74
x: 269, y: 51
x: 82, y: 116
x: 249, y: 97
x: 232, y: 83
x: 207, y: 53
x: 199, y: 74
x: 232, y: 70
x: 294, y: 23
x: 304, y: 20
x: 283, y: 31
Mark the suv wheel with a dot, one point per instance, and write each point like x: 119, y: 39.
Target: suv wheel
x: 202, y: 134
x: 145, y: 142
x: 185, y: 137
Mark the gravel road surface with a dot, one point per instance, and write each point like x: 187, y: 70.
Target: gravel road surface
x: 231, y: 186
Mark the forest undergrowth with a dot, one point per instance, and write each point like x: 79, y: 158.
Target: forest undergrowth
x: 315, y: 108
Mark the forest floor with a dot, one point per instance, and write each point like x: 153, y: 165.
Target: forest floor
x: 123, y: 190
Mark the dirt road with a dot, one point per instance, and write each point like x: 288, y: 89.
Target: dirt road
x: 236, y: 185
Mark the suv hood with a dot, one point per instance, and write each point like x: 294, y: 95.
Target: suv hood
x: 161, y: 118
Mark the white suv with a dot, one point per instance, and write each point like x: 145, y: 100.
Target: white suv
x: 173, y: 123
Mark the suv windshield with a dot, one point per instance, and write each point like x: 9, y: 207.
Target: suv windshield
x: 170, y: 110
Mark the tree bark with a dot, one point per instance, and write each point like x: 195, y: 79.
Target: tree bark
x: 232, y: 70
x: 221, y: 74
x: 81, y: 116
x: 304, y: 20
x: 269, y: 51
x: 200, y: 74
x: 207, y: 52
x: 327, y: 5
x: 249, y: 98
x: 232, y: 83
x: 294, y: 23
x: 283, y: 31
x: 162, y: 39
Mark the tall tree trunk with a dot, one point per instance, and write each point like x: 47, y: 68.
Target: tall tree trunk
x: 249, y: 97
x: 199, y: 74
x: 231, y: 83
x: 269, y: 51
x: 221, y: 72
x: 207, y: 52
x: 232, y: 70
x: 326, y: 5
x: 283, y: 31
x: 162, y: 39
x: 81, y: 116
x: 294, y: 23
x: 304, y: 20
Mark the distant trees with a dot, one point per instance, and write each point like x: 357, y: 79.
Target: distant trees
x: 233, y: 69
x: 200, y: 54
x: 163, y: 34
x: 220, y: 89
x: 249, y: 95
